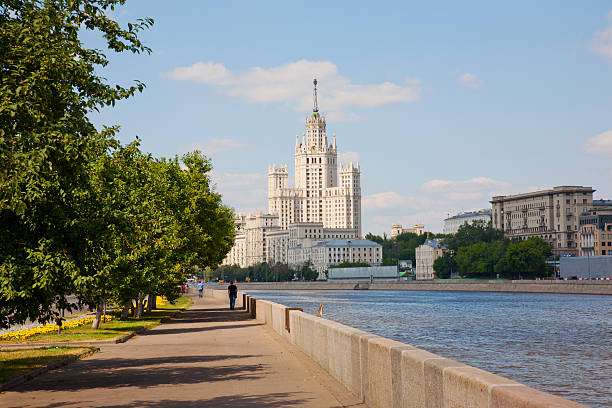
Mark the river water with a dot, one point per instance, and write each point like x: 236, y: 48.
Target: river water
x: 560, y: 344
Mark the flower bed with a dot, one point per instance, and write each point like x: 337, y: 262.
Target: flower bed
x: 49, y: 328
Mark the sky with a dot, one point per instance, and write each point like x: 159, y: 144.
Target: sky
x: 444, y: 104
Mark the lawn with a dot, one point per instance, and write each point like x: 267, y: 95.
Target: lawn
x: 15, y: 362
x: 112, y: 329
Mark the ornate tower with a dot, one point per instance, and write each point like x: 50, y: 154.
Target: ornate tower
x: 316, y: 162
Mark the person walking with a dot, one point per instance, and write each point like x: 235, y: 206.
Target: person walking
x: 232, y: 291
x: 200, y: 289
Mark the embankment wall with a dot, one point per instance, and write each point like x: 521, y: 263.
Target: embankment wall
x: 601, y: 287
x: 388, y: 374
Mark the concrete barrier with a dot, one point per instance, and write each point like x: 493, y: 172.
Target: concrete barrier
x: 385, y: 373
x: 590, y: 287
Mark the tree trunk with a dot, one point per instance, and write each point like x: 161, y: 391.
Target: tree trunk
x: 139, y: 306
x: 125, y: 311
x: 98, y: 317
x: 152, y: 302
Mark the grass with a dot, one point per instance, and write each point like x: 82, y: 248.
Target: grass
x: 15, y: 362
x: 180, y: 303
x: 113, y: 329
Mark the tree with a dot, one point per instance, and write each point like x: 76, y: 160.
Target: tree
x: 307, y: 273
x: 525, y: 259
x: 48, y: 86
x: 470, y: 234
x: 479, y: 260
x: 351, y: 265
x: 445, y: 266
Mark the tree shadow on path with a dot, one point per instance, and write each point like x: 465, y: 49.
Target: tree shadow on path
x: 278, y: 400
x: 109, y: 377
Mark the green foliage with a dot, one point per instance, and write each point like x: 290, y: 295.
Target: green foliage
x: 525, y: 259
x: 258, y: 273
x: 350, y: 265
x: 400, y: 247
x: 306, y: 273
x: 479, y: 260
x: 79, y: 213
x: 470, y: 234
x: 445, y: 266
x: 48, y: 86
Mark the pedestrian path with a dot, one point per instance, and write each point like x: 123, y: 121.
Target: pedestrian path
x: 208, y: 356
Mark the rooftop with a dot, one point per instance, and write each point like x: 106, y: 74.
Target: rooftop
x: 486, y: 211
x: 554, y: 190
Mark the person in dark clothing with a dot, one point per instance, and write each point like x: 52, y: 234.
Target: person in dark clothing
x: 232, y: 291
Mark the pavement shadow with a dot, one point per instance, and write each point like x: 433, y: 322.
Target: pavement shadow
x: 279, y: 399
x: 210, y: 315
x: 157, y: 332
x: 144, y: 376
x: 112, y: 363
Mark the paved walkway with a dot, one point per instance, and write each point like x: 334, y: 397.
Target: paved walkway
x: 206, y: 357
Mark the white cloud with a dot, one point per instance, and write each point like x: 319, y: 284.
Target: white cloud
x: 347, y: 157
x: 222, y: 145
x: 336, y: 116
x: 242, y: 191
x: 213, y: 146
x: 468, y: 80
x: 602, y: 40
x: 392, y: 200
x: 600, y: 145
x: 291, y: 85
x: 466, y: 189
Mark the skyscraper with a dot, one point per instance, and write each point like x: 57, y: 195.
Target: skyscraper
x: 325, y: 191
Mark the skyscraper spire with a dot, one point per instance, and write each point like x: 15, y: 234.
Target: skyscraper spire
x: 314, y: 96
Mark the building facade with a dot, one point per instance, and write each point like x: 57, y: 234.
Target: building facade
x: 426, y: 255
x: 552, y: 215
x: 322, y: 254
x: 397, y: 229
x: 596, y: 230
x: 452, y: 224
x: 325, y: 191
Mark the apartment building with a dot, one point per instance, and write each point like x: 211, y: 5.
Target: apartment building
x: 596, y: 230
x: 552, y: 215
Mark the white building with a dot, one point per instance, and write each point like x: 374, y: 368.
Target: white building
x: 452, y: 224
x: 397, y: 229
x: 325, y: 191
x: 426, y: 255
x: 336, y: 251
x: 324, y: 204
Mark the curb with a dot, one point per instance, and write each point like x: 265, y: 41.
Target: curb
x: 84, y: 343
x: 22, y: 378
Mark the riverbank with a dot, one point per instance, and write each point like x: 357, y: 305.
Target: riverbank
x: 516, y: 286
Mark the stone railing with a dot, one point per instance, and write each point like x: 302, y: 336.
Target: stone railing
x: 385, y: 373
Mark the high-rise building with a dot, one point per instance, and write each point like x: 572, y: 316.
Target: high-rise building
x: 325, y: 191
x: 552, y: 215
x: 324, y: 204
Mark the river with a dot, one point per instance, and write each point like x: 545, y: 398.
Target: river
x: 560, y: 344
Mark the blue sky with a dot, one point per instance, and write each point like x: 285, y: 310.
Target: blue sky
x: 442, y: 104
